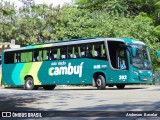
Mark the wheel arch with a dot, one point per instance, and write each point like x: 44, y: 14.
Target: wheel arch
x: 28, y: 76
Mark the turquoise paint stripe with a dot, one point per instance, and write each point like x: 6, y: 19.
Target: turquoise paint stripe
x: 29, y: 47
x: 16, y: 74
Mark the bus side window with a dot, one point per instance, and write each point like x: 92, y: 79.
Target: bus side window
x: 48, y: 54
x: 71, y: 52
x: 83, y: 51
x: 96, y: 54
x: 58, y: 54
x: 63, y: 53
x: 76, y: 51
x: 103, y: 51
x: 8, y: 57
x: 94, y: 51
x: 53, y: 54
x: 79, y: 52
x: 37, y: 55
x: 73, y: 55
x: 40, y: 55
x: 16, y: 58
x: 26, y: 56
x: 98, y: 51
x: 88, y: 51
x: 45, y: 54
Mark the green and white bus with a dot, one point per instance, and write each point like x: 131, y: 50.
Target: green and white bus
x: 99, y: 62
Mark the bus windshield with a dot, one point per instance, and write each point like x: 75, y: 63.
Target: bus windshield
x: 140, y: 57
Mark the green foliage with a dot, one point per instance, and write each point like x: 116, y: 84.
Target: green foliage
x: 157, y: 31
x: 104, y: 18
x: 27, y: 25
x: 74, y: 23
x: 157, y: 5
x: 82, y: 2
x: 113, y: 7
x: 148, y: 6
x: 7, y: 12
x: 139, y: 27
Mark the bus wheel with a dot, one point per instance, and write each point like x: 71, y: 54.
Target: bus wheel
x: 49, y: 87
x: 100, y: 82
x: 29, y: 84
x: 120, y: 86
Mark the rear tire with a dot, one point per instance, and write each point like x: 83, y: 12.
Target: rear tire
x: 29, y: 84
x: 49, y: 87
x: 100, y: 82
x: 120, y: 86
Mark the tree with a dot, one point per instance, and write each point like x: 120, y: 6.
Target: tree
x: 113, y: 7
x: 35, y: 24
x: 73, y: 22
x: 151, y: 7
x: 7, y: 12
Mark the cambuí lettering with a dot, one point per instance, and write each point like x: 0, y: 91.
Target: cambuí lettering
x: 66, y: 70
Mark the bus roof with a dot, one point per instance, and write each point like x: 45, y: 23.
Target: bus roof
x: 77, y: 41
x: 132, y: 41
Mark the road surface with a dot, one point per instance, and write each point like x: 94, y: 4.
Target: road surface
x: 63, y: 98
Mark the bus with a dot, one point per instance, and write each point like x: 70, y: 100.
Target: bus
x: 99, y: 62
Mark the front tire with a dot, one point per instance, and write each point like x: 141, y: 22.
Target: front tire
x: 100, y: 82
x: 120, y: 86
x: 29, y: 84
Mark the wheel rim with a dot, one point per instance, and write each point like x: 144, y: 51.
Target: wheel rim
x: 29, y: 83
x: 99, y: 82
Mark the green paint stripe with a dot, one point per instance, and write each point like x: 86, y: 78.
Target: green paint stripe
x: 38, y: 46
x: 25, y: 70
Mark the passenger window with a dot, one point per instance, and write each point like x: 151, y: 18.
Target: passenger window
x: 53, y: 53
x: 26, y: 56
x: 46, y: 54
x: 103, y: 50
x: 57, y: 53
x: 89, y: 51
x: 82, y: 51
x: 76, y: 51
x: 8, y: 57
x: 17, y: 57
x: 71, y: 52
x: 96, y: 50
x: 63, y: 53
x: 37, y: 55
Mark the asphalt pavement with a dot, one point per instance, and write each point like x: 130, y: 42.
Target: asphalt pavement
x: 140, y: 98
